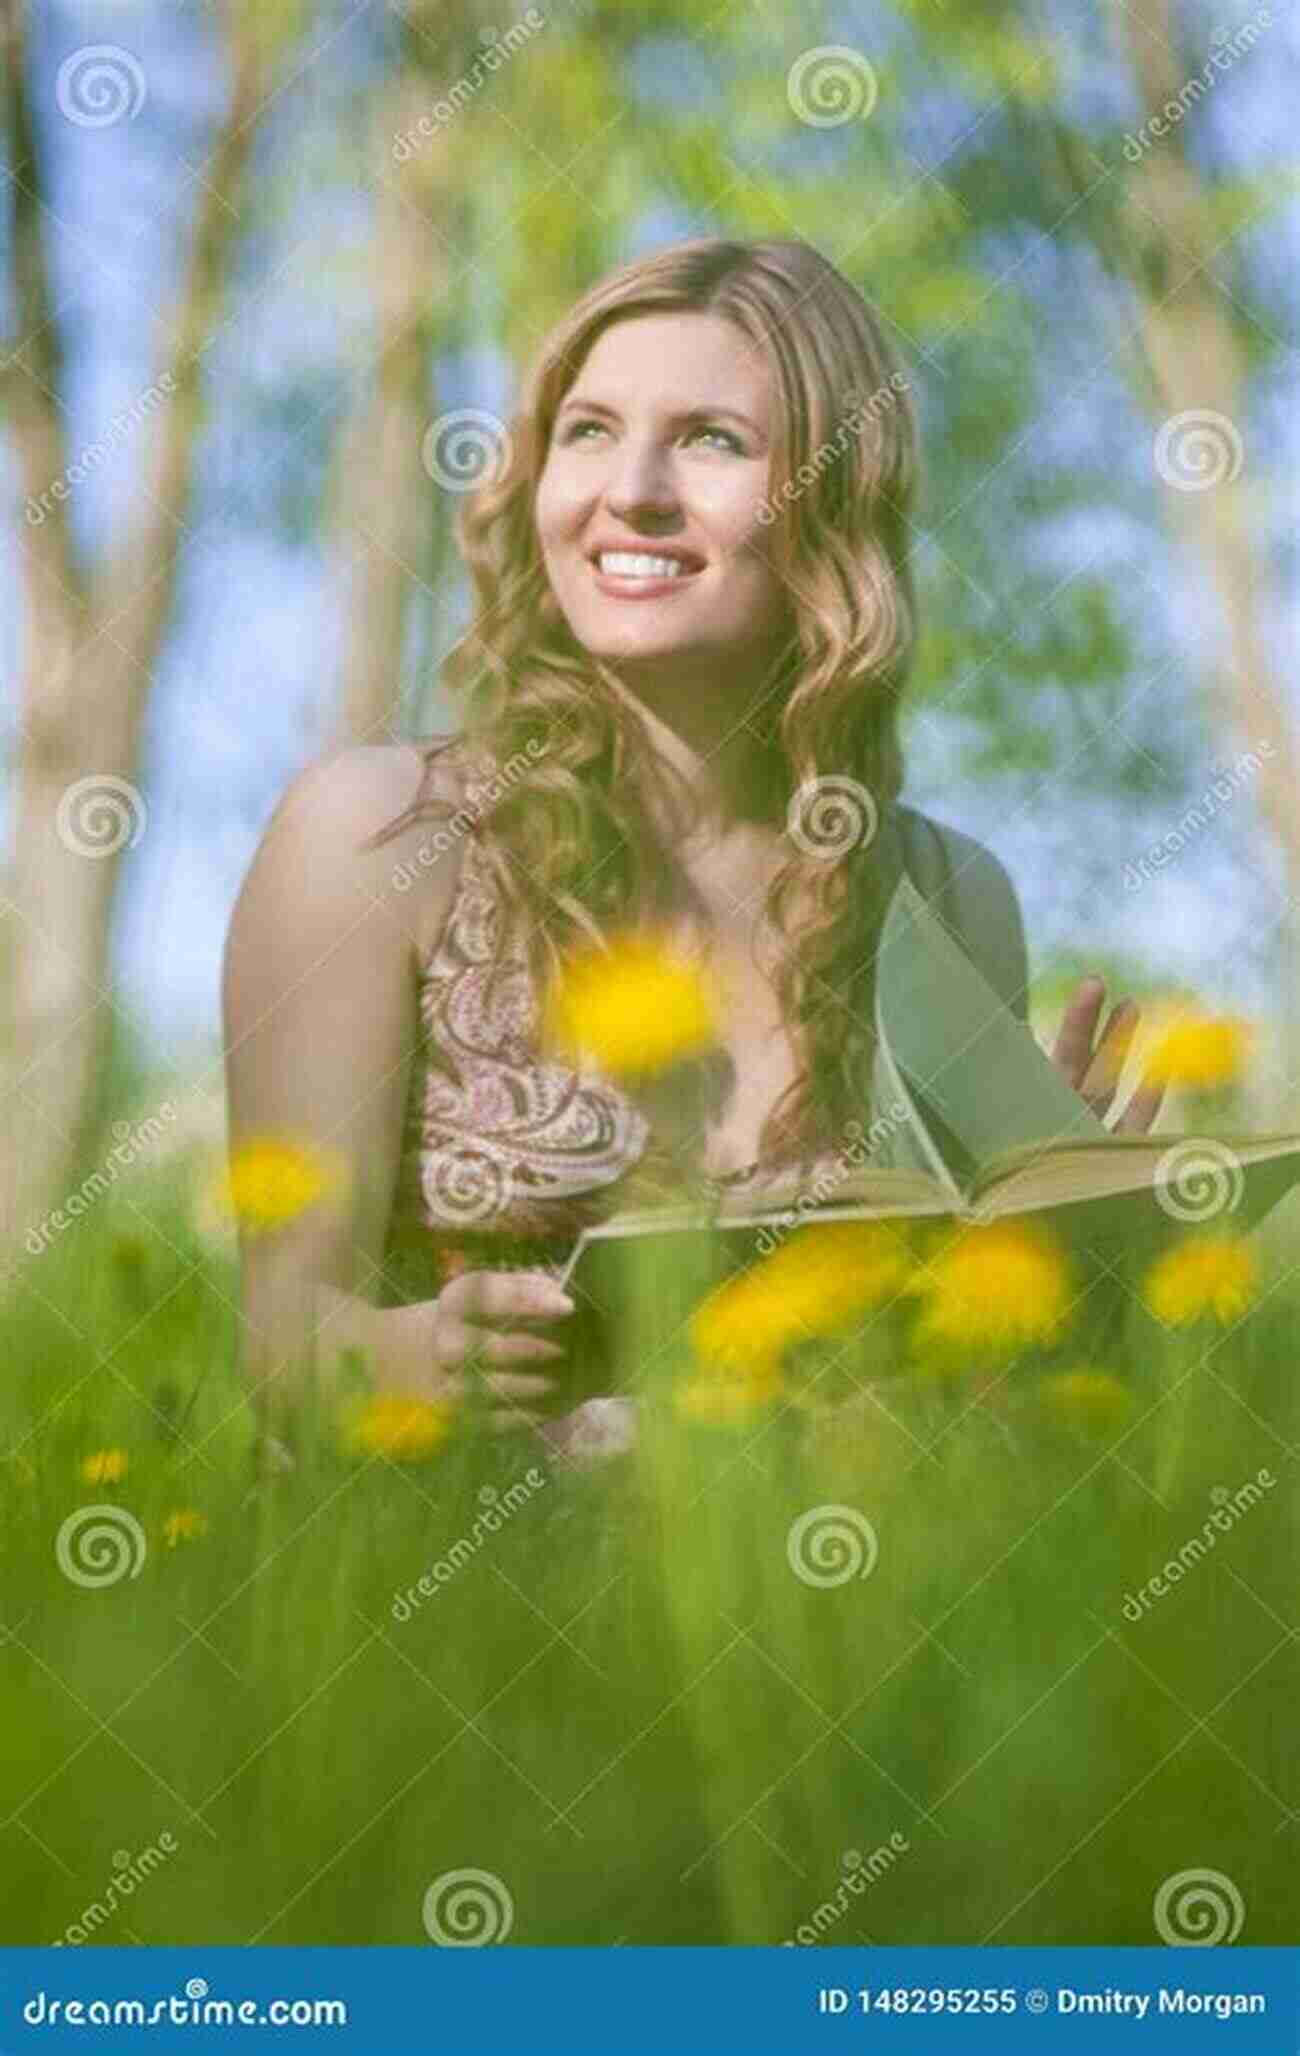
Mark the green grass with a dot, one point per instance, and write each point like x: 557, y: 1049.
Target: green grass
x: 624, y: 1705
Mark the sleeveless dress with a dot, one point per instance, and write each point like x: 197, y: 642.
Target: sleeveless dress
x: 506, y: 1156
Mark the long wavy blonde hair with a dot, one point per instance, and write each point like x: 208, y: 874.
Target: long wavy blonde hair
x: 585, y: 853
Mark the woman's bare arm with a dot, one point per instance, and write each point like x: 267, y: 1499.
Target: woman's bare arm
x: 320, y: 1024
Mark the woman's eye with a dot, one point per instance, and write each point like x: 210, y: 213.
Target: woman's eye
x: 575, y: 432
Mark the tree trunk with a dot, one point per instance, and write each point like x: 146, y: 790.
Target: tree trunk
x: 90, y: 649
x: 1195, y: 367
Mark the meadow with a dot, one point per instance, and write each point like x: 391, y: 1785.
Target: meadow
x: 992, y: 1642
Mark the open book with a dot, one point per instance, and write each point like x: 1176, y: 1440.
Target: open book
x: 981, y: 1125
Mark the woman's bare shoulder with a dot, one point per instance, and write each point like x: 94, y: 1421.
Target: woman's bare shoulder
x: 356, y: 792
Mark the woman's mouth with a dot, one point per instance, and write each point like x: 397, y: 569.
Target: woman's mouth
x: 640, y: 574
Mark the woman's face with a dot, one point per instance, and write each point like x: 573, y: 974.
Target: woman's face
x: 660, y: 449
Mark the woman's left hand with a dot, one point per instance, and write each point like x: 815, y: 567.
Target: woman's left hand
x: 1094, y: 1073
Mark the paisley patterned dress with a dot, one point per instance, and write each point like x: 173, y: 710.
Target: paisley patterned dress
x: 506, y: 1156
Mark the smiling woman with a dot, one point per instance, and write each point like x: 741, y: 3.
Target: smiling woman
x: 694, y: 619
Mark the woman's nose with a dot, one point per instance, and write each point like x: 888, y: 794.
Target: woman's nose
x: 640, y: 481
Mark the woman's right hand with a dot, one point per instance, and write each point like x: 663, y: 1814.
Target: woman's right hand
x: 480, y: 1321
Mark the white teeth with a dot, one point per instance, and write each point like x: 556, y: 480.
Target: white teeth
x: 627, y: 564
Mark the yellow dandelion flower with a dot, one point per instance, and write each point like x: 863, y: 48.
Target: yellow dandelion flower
x: 724, y: 1400
x: 633, y: 1009
x: 104, y: 1467
x: 272, y: 1179
x: 1192, y: 1048
x: 184, y: 1525
x: 1000, y: 1285
x: 398, y: 1425
x: 813, y: 1285
x: 1202, y: 1276
x: 1093, y: 1400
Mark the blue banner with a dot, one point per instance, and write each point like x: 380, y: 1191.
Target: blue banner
x: 467, y: 1997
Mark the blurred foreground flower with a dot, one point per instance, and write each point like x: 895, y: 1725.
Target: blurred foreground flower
x: 633, y: 1009
x: 184, y: 1525
x: 1209, y: 1275
x: 727, y: 1399
x: 271, y: 1180
x: 1095, y: 1401
x: 998, y: 1286
x: 399, y: 1426
x: 1198, y: 1049
x: 104, y: 1467
x: 813, y: 1285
